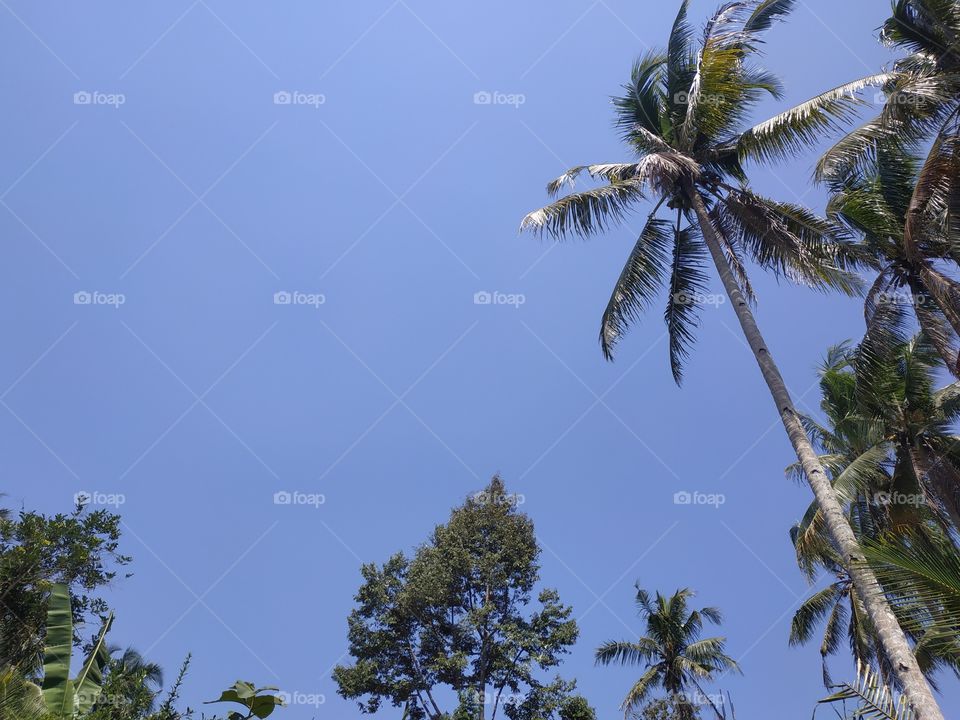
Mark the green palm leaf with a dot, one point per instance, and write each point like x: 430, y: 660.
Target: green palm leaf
x: 639, y: 282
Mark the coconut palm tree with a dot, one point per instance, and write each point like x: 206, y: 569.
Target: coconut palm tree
x: 683, y: 117
x: 130, y: 687
x: 921, y: 99
x: 20, y: 699
x: 914, y: 203
x: 676, y: 657
x: 911, y: 239
x: 885, y: 426
x: 888, y: 441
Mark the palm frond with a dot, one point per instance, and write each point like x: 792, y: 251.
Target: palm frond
x: 614, y: 652
x: 585, y: 213
x: 766, y: 13
x: 638, y: 110
x: 639, y: 282
x: 794, y: 243
x: 793, y: 131
x: 641, y: 689
x: 688, y: 285
x: 875, y: 700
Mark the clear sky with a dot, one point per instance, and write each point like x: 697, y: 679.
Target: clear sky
x: 181, y: 196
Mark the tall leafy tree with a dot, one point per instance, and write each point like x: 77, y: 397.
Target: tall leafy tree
x: 683, y: 116
x: 79, y: 549
x: 676, y: 657
x: 463, y: 613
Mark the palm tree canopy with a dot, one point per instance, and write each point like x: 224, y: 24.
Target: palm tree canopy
x: 683, y: 115
x: 901, y: 210
x: 675, y: 655
x: 888, y: 443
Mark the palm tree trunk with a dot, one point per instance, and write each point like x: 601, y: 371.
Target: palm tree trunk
x: 889, y: 632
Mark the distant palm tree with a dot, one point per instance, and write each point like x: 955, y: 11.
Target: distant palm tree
x: 676, y: 657
x: 682, y: 115
x: 130, y: 687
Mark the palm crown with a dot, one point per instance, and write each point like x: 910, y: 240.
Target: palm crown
x: 677, y: 658
x: 683, y: 114
x: 900, y: 209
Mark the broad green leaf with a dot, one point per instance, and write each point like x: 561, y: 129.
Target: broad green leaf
x: 89, y: 683
x: 57, y: 688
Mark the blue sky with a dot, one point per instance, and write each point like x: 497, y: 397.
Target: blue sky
x: 181, y: 197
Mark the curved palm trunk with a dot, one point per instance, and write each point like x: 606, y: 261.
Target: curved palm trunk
x: 889, y: 632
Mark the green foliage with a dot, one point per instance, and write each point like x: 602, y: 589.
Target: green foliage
x: 683, y: 115
x: 900, y: 211
x: 873, y: 699
x: 673, y: 653
x: 256, y: 702
x: 888, y: 444
x: 130, y: 688
x: 66, y: 698
x: 19, y: 698
x: 461, y: 613
x: 79, y: 550
x: 921, y: 575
